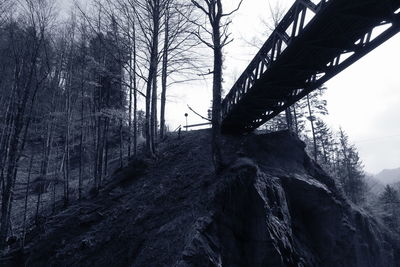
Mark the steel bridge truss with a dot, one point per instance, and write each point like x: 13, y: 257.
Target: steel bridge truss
x: 312, y: 43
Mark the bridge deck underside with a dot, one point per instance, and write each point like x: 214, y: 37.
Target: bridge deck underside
x: 333, y: 30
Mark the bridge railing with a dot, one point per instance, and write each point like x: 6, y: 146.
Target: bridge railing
x: 292, y: 24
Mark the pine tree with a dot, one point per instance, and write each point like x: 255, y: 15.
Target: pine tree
x: 350, y: 170
x: 390, y: 204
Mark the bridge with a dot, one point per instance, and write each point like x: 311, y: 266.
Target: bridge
x: 316, y: 40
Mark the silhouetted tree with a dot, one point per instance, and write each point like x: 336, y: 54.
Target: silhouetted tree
x: 220, y: 37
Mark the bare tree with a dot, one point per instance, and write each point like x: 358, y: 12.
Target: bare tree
x: 29, y: 53
x: 150, y: 13
x: 178, y: 54
x: 5, y: 8
x: 220, y: 37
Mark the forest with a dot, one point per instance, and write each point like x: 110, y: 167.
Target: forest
x: 84, y: 91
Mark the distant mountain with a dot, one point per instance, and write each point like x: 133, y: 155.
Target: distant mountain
x: 389, y: 176
x: 374, y: 184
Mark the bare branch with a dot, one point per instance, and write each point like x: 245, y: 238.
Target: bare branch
x: 233, y: 11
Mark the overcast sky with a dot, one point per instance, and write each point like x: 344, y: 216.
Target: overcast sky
x: 364, y: 99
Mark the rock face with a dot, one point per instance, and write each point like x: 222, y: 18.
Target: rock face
x: 279, y: 209
x: 272, y: 207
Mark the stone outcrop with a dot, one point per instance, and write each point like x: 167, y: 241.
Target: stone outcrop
x: 278, y: 208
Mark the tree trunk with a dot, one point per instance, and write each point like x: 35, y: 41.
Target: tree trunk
x: 121, y: 152
x: 80, y: 181
x: 47, y: 144
x: 67, y: 136
x: 59, y: 172
x: 6, y: 133
x: 13, y: 155
x: 130, y: 107
x: 312, y: 128
x: 26, y: 200
x: 135, y: 128
x: 98, y: 168
x: 217, y: 88
x: 164, y: 75
x: 151, y: 95
x: 134, y: 94
x: 295, y: 119
x: 148, y: 132
x: 105, y: 145
x: 121, y: 141
x: 154, y: 112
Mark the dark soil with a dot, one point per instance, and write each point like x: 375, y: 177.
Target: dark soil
x: 136, y: 208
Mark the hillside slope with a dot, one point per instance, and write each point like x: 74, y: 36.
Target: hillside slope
x: 271, y: 207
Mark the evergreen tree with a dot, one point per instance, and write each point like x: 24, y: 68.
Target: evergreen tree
x: 350, y: 169
x: 390, y: 204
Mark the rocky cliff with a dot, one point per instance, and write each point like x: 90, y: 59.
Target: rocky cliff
x: 272, y: 206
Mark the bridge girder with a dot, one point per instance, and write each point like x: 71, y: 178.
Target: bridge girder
x: 339, y: 33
